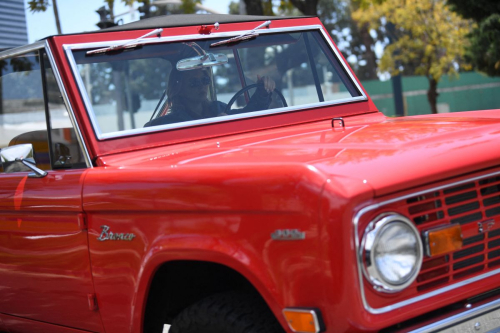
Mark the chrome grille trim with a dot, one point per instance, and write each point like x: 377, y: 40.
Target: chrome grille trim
x: 430, y: 294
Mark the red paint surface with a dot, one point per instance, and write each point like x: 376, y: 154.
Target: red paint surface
x: 279, y: 174
x: 44, y: 267
x: 216, y: 193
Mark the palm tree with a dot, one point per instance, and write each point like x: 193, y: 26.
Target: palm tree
x: 41, y: 6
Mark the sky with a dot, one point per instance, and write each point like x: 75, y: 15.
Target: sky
x: 80, y: 15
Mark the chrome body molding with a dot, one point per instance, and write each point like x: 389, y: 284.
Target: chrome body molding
x: 459, y: 318
x: 68, y: 48
x: 43, y: 44
x: 431, y: 294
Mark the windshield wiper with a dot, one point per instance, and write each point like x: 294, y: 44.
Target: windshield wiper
x: 127, y: 45
x: 247, y: 35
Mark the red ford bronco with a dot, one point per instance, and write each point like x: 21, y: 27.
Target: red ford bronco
x: 230, y: 174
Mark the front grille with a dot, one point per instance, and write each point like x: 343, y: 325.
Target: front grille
x: 469, y: 205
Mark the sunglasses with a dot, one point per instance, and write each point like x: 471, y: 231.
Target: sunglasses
x: 194, y: 82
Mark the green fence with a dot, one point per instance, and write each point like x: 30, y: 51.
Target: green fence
x: 470, y: 91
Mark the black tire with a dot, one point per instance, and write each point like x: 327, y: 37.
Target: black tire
x: 227, y: 313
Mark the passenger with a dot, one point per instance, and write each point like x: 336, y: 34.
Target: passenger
x: 187, y: 98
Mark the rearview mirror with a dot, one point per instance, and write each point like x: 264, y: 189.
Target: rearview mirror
x: 206, y: 60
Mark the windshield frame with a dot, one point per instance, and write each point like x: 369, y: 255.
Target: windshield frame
x: 69, y: 48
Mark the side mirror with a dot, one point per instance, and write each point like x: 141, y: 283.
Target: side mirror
x: 20, y: 158
x: 206, y: 60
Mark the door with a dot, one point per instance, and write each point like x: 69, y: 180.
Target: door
x: 45, y: 270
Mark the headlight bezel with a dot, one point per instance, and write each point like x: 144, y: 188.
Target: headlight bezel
x: 373, y: 232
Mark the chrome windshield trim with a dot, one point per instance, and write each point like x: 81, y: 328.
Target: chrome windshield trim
x: 68, y: 48
x: 223, y: 118
x: 71, y: 112
x: 22, y: 49
x: 458, y: 318
x: 342, y: 62
x: 416, y: 299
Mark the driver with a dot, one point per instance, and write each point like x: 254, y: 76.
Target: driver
x: 187, y: 98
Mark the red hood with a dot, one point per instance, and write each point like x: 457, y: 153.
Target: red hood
x: 388, y: 154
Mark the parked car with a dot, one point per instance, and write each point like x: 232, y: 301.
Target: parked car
x: 224, y: 173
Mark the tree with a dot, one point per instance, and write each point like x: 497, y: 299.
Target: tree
x: 484, y: 50
x: 254, y: 7
x: 185, y: 7
x: 111, y: 6
x: 427, y: 39
x: 259, y: 7
x: 189, y: 6
x: 307, y: 7
x: 234, y: 7
x: 41, y: 6
x: 353, y: 40
x: 269, y: 7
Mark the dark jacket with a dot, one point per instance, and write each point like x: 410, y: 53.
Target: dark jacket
x: 260, y: 100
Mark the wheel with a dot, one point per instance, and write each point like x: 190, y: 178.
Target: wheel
x: 247, y: 88
x: 230, y: 312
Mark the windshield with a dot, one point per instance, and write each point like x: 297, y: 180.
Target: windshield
x: 176, y: 84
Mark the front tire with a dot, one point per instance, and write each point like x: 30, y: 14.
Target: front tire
x: 229, y: 312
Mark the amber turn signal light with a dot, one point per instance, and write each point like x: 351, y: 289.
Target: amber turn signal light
x: 303, y: 320
x: 443, y: 240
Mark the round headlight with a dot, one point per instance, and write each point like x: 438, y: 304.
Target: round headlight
x: 391, y: 252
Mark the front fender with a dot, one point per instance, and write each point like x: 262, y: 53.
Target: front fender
x: 226, y: 217
x: 168, y: 249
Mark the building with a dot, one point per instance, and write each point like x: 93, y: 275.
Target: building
x: 13, y: 30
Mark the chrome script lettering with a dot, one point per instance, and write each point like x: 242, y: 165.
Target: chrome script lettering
x: 288, y: 234
x: 109, y: 235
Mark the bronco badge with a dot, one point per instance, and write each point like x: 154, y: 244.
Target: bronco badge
x: 288, y: 234
x: 109, y: 235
